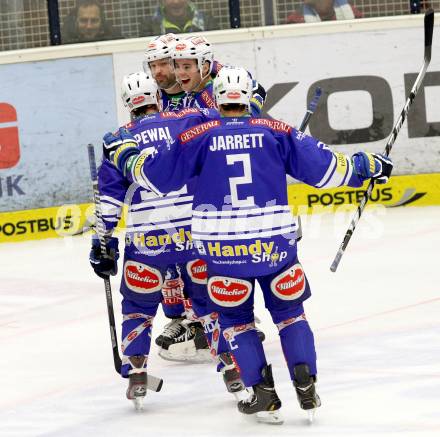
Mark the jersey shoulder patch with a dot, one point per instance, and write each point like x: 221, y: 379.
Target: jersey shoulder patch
x: 194, y: 132
x: 207, y: 99
x: 180, y: 114
x: 275, y: 125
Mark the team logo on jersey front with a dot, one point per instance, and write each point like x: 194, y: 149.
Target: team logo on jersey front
x: 229, y: 292
x: 290, y: 284
x: 197, y: 271
x: 142, y: 278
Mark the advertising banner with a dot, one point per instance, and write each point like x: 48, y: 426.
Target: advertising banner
x: 49, y: 111
x: 71, y: 220
x: 365, y: 76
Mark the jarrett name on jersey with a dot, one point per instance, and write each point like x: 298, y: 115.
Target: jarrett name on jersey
x: 242, y: 224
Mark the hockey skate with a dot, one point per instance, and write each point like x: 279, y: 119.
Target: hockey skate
x: 172, y: 329
x: 264, y: 402
x: 137, y: 381
x: 304, y: 385
x: 184, y: 340
x: 232, y: 378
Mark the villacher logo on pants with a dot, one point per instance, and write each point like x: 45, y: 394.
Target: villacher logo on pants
x: 9, y: 139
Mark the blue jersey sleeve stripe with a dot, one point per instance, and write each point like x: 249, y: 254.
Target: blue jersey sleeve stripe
x: 328, y: 174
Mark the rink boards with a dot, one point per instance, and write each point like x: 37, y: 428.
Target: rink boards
x: 366, y: 72
x: 46, y: 125
x: 70, y: 219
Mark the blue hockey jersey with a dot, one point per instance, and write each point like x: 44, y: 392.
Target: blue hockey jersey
x: 172, y: 102
x: 241, y: 221
x: 200, y: 99
x: 156, y: 226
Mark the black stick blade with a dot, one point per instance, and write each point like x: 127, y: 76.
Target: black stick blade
x: 429, y: 29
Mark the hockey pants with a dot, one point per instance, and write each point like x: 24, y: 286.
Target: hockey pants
x: 284, y: 293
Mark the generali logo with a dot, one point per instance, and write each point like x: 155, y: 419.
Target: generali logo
x: 9, y: 138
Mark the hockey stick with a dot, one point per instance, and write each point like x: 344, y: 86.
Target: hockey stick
x: 153, y: 383
x: 310, y: 111
x: 429, y: 27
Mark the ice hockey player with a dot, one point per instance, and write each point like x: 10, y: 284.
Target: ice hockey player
x: 158, y: 62
x: 253, y: 238
x: 177, y: 332
x: 195, y: 69
x: 158, y: 58
x: 158, y: 237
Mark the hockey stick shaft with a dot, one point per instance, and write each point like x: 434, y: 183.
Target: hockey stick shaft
x: 153, y: 383
x: 310, y: 111
x: 100, y: 231
x: 429, y: 27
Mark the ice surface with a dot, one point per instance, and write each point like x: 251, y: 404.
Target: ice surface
x: 376, y: 323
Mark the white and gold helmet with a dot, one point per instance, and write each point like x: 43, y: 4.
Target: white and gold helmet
x: 195, y: 47
x: 161, y: 47
x: 139, y: 89
x: 233, y: 85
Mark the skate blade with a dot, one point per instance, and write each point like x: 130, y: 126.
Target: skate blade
x: 242, y: 395
x: 199, y: 357
x: 311, y: 415
x: 138, y: 403
x: 270, y: 417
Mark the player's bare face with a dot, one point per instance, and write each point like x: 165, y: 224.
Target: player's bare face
x: 163, y: 73
x: 187, y: 74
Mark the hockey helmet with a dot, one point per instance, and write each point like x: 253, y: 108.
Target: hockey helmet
x: 195, y: 47
x: 161, y: 47
x: 139, y: 89
x: 233, y: 85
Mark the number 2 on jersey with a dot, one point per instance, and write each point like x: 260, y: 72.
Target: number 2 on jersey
x: 245, y: 159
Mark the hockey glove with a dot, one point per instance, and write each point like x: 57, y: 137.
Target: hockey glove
x: 118, y: 147
x: 258, y: 98
x: 104, y: 266
x: 372, y: 166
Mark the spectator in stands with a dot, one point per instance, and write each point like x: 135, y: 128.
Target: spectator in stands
x: 324, y: 10
x: 417, y: 6
x: 177, y: 16
x: 86, y: 22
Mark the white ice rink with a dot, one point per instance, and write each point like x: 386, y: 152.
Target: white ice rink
x: 376, y: 323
